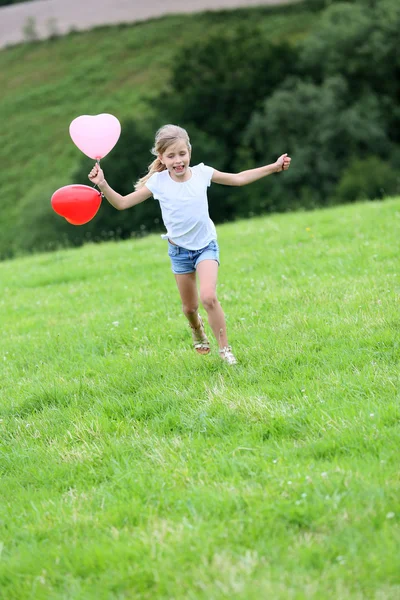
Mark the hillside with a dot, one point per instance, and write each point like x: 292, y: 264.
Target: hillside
x: 133, y: 468
x: 120, y: 70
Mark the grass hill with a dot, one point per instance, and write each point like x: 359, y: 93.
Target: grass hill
x: 119, y: 70
x: 133, y: 468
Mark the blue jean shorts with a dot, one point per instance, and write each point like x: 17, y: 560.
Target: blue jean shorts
x: 185, y: 261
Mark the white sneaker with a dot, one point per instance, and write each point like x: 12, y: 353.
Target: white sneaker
x: 227, y: 355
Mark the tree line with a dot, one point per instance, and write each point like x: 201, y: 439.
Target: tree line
x: 330, y: 100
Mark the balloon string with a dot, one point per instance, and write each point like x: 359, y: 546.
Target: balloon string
x: 101, y: 193
x: 95, y: 185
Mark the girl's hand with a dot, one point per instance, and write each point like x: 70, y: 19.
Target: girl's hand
x: 283, y: 163
x: 96, y: 175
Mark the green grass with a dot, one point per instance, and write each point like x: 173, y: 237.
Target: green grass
x: 120, y: 70
x: 133, y: 468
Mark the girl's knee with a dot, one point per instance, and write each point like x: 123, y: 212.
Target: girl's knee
x: 189, y: 309
x: 208, y: 300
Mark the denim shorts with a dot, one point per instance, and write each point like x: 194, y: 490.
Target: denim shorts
x: 185, y: 261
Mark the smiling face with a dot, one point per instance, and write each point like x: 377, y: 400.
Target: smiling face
x: 176, y: 158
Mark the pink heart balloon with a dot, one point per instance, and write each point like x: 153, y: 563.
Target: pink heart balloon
x: 95, y: 135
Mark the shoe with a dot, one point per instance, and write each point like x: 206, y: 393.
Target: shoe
x: 200, y: 340
x: 227, y: 355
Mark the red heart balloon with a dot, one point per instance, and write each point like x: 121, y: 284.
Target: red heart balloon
x: 77, y: 203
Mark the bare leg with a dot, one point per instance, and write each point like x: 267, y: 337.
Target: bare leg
x: 190, y: 305
x: 207, y: 271
x: 190, y: 301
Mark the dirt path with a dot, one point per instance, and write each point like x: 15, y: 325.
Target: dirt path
x: 49, y: 16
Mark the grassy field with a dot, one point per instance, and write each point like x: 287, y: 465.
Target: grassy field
x: 119, y: 70
x: 133, y: 468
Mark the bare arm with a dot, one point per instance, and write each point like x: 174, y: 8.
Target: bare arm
x: 119, y: 202
x: 122, y: 202
x: 245, y: 177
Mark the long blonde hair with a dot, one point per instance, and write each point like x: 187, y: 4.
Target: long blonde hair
x: 165, y: 137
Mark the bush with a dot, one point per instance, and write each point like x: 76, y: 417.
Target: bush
x: 368, y: 179
x: 321, y: 129
x: 359, y: 41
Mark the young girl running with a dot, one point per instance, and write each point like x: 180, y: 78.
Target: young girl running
x: 192, y: 239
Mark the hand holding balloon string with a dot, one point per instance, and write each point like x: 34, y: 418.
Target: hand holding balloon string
x: 95, y: 136
x: 96, y: 175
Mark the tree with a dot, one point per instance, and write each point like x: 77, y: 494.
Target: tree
x: 217, y: 84
x: 368, y: 179
x: 322, y: 130
x: 359, y: 41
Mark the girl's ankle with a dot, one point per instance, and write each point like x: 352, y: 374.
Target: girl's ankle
x: 199, y: 325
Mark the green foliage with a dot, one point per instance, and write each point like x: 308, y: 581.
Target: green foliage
x: 360, y: 42
x: 342, y: 108
x: 320, y: 127
x: 319, y: 5
x: 368, y: 179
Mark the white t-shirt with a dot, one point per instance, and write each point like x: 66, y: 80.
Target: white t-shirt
x: 184, y: 207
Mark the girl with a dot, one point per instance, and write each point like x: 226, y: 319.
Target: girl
x: 192, y: 239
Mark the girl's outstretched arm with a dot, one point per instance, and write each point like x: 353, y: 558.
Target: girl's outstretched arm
x: 119, y: 202
x: 245, y: 177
